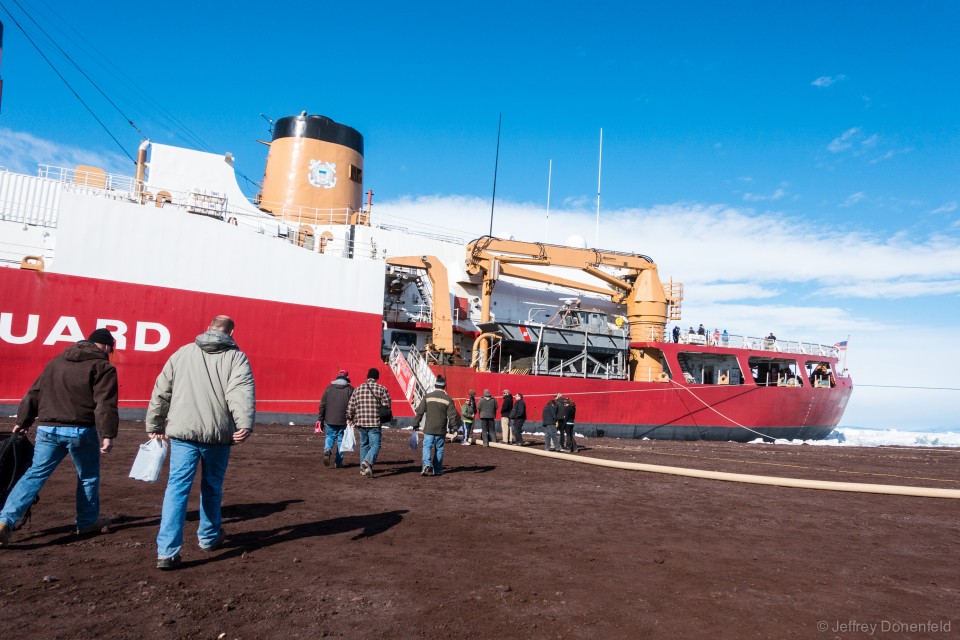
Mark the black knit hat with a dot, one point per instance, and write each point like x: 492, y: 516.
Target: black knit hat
x: 373, y: 373
x: 440, y: 383
x: 102, y: 336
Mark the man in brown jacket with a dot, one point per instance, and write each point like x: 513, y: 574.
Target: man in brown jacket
x: 74, y: 398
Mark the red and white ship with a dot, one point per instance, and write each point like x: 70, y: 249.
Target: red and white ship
x: 317, y: 282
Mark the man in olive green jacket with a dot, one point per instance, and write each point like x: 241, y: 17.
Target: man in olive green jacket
x: 441, y: 415
x: 203, y: 402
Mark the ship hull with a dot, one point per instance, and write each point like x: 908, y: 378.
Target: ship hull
x: 669, y: 411
x: 295, y: 350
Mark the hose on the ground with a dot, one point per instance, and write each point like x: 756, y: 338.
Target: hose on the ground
x: 796, y: 483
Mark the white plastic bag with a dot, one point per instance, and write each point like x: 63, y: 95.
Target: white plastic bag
x: 414, y: 440
x: 349, y: 442
x: 149, y: 462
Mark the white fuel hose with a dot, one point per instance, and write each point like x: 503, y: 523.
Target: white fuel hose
x: 796, y: 483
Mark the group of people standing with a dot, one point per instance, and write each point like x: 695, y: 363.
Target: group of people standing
x: 717, y: 339
x: 559, y: 417
x: 437, y: 414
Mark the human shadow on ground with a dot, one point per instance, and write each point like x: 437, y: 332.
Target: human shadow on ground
x: 67, y: 536
x: 230, y: 513
x: 471, y: 469
x: 250, y: 511
x: 369, y: 525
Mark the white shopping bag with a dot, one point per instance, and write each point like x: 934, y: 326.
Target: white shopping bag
x: 349, y: 442
x: 149, y: 462
x: 414, y: 440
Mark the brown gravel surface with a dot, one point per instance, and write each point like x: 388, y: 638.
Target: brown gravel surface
x: 504, y: 545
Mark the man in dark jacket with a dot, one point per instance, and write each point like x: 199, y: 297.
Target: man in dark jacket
x: 518, y: 415
x: 333, y: 414
x: 75, y: 399
x: 487, y: 414
x: 438, y: 413
x: 562, y: 421
x: 550, y: 426
x: 506, y: 405
x: 570, y: 416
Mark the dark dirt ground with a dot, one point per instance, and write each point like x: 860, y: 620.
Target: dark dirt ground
x: 504, y: 545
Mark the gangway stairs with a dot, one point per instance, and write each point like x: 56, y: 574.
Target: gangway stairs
x: 412, y: 373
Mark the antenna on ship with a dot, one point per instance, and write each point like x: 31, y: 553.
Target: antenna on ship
x: 599, y: 168
x: 496, y: 163
x: 549, y: 176
x: 270, y: 120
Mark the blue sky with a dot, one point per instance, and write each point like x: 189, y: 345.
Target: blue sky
x: 795, y: 164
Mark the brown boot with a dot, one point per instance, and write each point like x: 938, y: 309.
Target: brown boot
x: 5, y: 534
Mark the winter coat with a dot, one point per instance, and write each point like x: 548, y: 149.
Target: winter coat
x: 333, y: 404
x: 439, y: 410
x: 519, y: 411
x: 571, y: 412
x: 77, y: 388
x: 205, y: 392
x: 550, y: 413
x: 487, y: 408
x: 506, y: 406
x: 469, y: 409
x: 563, y: 409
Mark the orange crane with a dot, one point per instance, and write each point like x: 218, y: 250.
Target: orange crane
x: 630, y: 279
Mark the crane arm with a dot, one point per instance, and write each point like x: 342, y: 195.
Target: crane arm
x: 442, y: 314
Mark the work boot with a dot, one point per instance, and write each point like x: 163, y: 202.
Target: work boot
x: 5, y: 534
x: 94, y: 527
x: 167, y: 564
x: 326, y: 457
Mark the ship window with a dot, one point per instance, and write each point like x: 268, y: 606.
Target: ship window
x: 709, y: 368
x: 821, y: 375
x: 404, y: 338
x: 356, y: 174
x: 775, y: 372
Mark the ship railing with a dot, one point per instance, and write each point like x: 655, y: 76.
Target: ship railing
x: 417, y: 228
x: 108, y: 184
x: 314, y: 216
x: 763, y: 344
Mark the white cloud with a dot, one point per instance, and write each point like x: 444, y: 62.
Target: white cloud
x: 826, y: 81
x: 576, y: 202
x: 22, y: 152
x: 870, y: 142
x: 894, y: 290
x: 844, y: 141
x: 758, y: 197
x: 853, y: 199
x: 946, y: 207
x: 713, y: 244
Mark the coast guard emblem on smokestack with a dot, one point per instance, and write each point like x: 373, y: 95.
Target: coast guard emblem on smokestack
x: 322, y: 174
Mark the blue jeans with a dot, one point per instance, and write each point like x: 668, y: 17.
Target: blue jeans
x: 550, y: 438
x: 335, y: 435
x: 429, y: 442
x: 184, y: 458
x: 50, y: 449
x: 370, y: 444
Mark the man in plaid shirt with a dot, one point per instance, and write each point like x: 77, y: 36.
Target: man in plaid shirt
x: 364, y: 412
